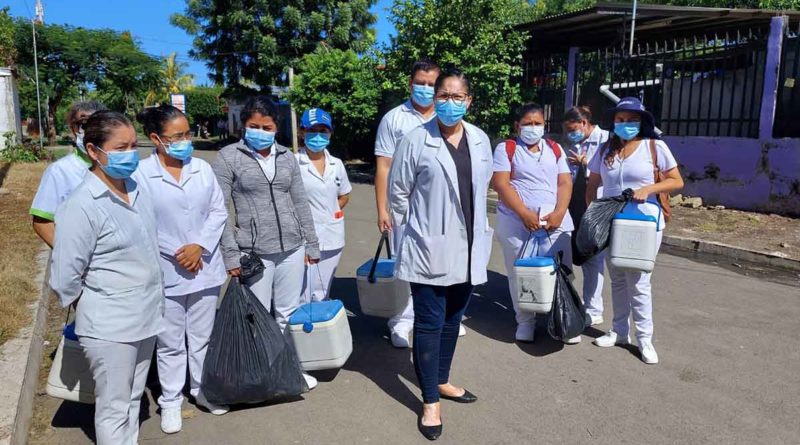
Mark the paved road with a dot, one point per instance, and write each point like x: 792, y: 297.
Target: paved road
x: 729, y: 373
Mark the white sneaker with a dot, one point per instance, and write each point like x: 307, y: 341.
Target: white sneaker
x: 596, y: 320
x: 400, y: 340
x: 462, y: 331
x: 310, y: 381
x: 573, y: 340
x: 611, y: 339
x: 217, y: 410
x: 649, y: 354
x: 171, y: 421
x: 525, y: 332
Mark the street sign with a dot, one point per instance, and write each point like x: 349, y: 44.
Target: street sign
x: 178, y: 101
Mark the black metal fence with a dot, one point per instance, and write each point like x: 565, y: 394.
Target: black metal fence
x: 787, y: 113
x: 544, y: 81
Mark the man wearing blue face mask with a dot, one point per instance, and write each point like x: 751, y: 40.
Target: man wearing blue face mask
x: 398, y: 122
x: 328, y: 190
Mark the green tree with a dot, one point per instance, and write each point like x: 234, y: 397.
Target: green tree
x: 552, y: 7
x: 348, y: 87
x: 204, y: 103
x: 258, y: 40
x: 172, y: 80
x: 7, y: 50
x: 477, y: 36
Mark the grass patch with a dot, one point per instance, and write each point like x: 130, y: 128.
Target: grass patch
x: 20, y: 246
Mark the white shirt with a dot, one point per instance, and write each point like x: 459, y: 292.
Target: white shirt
x: 106, y: 253
x: 58, y: 181
x: 189, y: 211
x: 535, y: 178
x: 323, y: 192
x: 397, y: 123
x: 589, y: 147
x: 634, y: 173
x: 267, y: 163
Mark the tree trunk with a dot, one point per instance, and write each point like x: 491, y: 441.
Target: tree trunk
x: 51, y: 124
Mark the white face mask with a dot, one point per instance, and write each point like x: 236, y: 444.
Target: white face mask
x: 531, y: 134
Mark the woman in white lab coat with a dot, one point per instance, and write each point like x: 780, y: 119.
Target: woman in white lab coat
x: 105, y: 262
x: 533, y: 182
x: 585, y: 139
x: 437, y: 191
x: 190, y: 213
x: 627, y: 162
x: 328, y: 190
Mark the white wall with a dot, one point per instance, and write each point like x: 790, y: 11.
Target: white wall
x: 9, y: 106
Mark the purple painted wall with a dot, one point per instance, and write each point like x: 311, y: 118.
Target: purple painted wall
x: 746, y: 174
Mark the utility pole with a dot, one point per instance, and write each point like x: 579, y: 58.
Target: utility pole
x: 39, y: 18
x: 633, y: 27
x: 292, y: 112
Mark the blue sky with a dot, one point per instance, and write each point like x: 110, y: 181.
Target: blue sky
x: 148, y: 21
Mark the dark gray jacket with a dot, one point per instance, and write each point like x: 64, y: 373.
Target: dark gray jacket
x: 280, y: 209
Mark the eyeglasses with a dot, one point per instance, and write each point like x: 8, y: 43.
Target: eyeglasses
x: 459, y: 98
x: 179, y: 136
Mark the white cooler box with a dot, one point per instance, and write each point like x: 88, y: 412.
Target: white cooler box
x: 383, y: 295
x: 70, y: 377
x: 321, y: 335
x: 536, y: 283
x: 633, y: 241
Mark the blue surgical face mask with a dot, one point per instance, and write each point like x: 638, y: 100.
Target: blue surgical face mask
x: 79, y: 141
x: 258, y: 139
x: 422, y: 95
x: 531, y: 134
x: 450, y: 113
x: 181, y: 150
x: 121, y: 164
x: 575, y: 136
x: 627, y: 130
x: 317, y: 142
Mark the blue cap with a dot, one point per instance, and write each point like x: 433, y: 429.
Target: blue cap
x: 634, y: 105
x: 316, y: 116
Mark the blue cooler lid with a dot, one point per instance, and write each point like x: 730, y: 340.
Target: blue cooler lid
x: 636, y: 217
x: 69, y: 332
x: 320, y: 312
x: 535, y: 261
x: 384, y: 269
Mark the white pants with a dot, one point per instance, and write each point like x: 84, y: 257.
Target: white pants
x: 630, y: 292
x: 119, y: 371
x: 593, y: 284
x: 281, y: 284
x: 188, y: 321
x: 319, y: 277
x: 403, y: 322
x: 512, y: 234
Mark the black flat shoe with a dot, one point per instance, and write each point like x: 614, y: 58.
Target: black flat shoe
x: 467, y: 397
x: 430, y: 432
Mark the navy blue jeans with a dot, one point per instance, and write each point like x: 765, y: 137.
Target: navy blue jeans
x: 437, y: 317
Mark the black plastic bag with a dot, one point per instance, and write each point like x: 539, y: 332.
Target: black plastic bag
x: 567, y: 318
x: 595, y: 226
x: 249, y: 360
x: 251, y: 262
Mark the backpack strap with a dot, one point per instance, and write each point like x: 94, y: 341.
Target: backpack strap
x: 555, y: 147
x: 654, y: 156
x: 511, y: 148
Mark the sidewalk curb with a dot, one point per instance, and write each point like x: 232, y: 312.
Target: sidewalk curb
x: 734, y: 252
x: 30, y: 377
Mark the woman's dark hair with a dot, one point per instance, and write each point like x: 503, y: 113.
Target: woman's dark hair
x: 98, y: 128
x: 449, y: 71
x: 527, y: 108
x: 423, y: 64
x: 89, y: 106
x: 262, y: 105
x: 153, y: 119
x: 579, y: 113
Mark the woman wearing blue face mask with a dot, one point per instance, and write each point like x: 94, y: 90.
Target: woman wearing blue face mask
x: 437, y: 191
x: 584, y: 139
x: 105, y: 263
x: 630, y: 160
x: 533, y: 182
x: 271, y: 214
x: 328, y: 189
x: 191, y: 214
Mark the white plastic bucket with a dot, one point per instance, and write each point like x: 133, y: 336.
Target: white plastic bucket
x: 380, y: 293
x: 535, y: 276
x: 70, y: 377
x: 321, y: 335
x: 633, y: 243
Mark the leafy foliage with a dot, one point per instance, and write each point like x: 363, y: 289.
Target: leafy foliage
x: 7, y: 50
x: 203, y: 103
x: 346, y: 86
x: 16, y: 152
x: 257, y: 40
x: 477, y: 36
x: 171, y: 80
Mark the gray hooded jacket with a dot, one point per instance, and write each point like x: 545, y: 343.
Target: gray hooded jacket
x: 279, y: 211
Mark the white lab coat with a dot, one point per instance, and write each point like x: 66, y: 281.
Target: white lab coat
x: 424, y: 197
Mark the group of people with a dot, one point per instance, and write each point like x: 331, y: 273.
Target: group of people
x: 141, y: 249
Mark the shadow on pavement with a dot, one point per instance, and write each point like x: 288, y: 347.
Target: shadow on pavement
x: 490, y: 312
x: 373, y: 355
x: 75, y: 415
